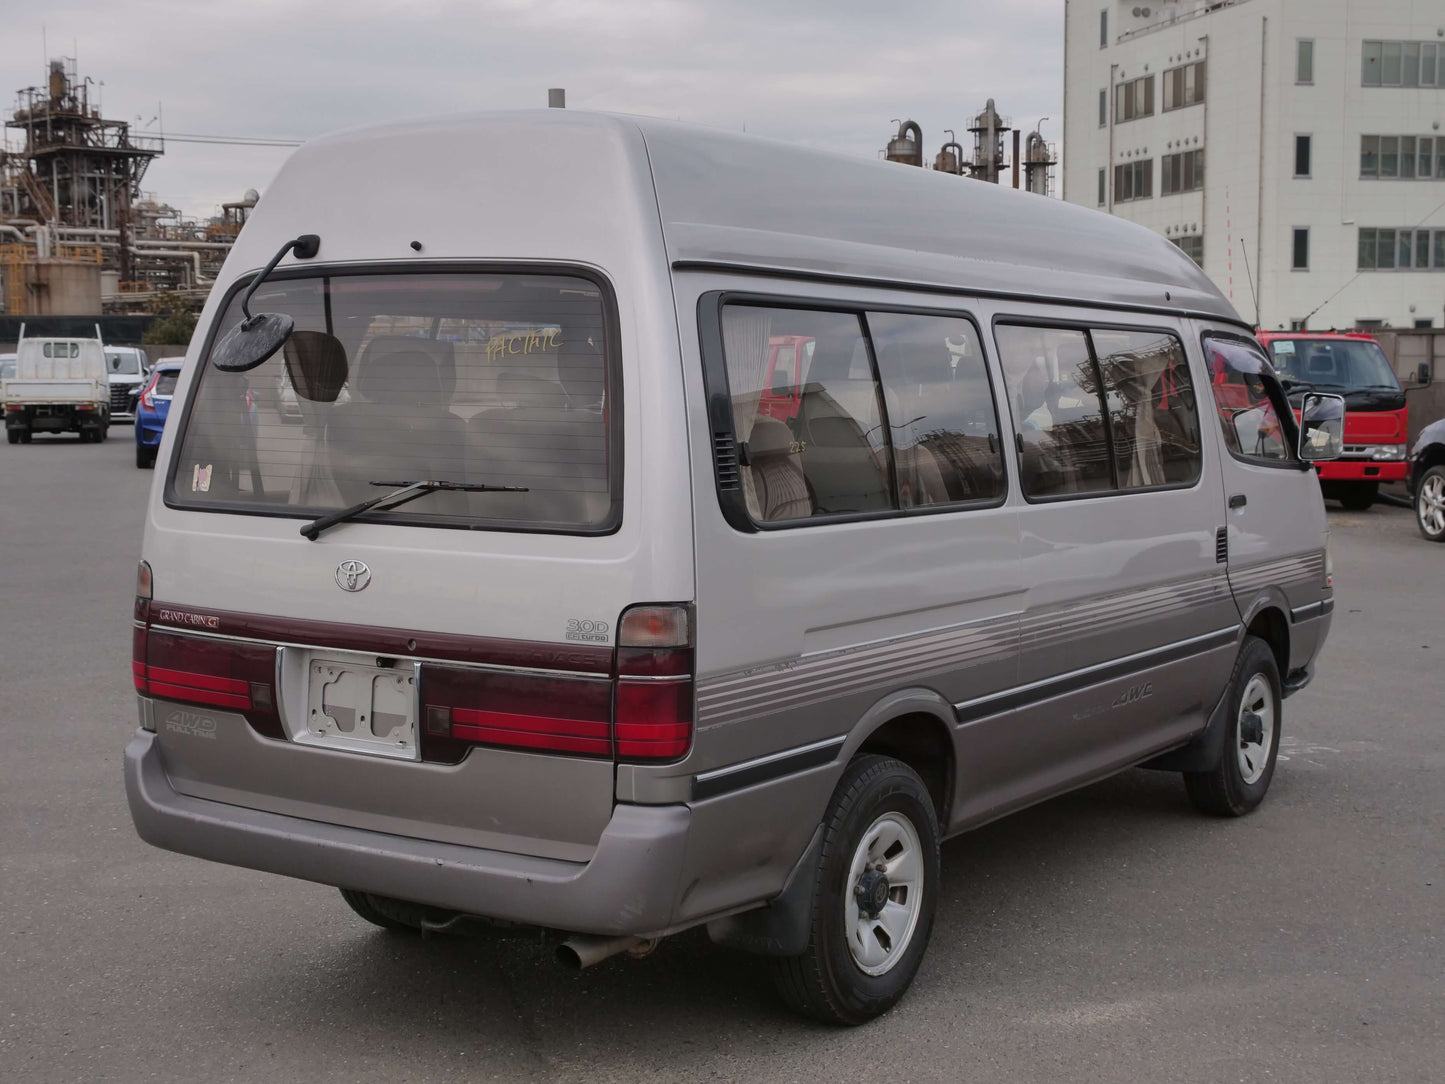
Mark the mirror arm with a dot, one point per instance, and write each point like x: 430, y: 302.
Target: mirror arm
x: 306, y: 246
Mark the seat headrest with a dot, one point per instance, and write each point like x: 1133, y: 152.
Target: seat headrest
x: 316, y: 364
x: 769, y: 437
x: 377, y: 367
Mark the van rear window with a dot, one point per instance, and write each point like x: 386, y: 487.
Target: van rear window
x: 504, y: 380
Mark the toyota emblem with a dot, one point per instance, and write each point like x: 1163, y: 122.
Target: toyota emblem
x: 352, y: 575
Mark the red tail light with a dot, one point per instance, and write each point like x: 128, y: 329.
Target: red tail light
x: 148, y: 395
x: 214, y: 673
x: 558, y: 714
x: 645, y: 714
x: 654, y: 683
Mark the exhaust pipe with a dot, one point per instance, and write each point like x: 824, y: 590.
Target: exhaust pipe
x: 584, y: 950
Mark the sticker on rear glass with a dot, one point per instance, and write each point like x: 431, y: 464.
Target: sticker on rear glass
x: 1284, y: 346
x: 201, y: 478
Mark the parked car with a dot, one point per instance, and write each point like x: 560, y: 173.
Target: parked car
x: 624, y: 652
x: 125, y: 370
x: 151, y: 410
x: 1427, y: 480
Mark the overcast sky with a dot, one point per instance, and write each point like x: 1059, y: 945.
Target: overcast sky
x: 833, y: 74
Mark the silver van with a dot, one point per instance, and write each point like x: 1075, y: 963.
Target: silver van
x: 681, y: 528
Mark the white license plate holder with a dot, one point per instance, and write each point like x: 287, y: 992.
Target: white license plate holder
x: 357, y: 706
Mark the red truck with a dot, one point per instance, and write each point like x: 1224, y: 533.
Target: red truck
x: 1352, y: 365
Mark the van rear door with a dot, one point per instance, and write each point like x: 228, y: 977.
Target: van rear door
x: 438, y: 668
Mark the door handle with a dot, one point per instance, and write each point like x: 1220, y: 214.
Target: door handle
x: 1239, y: 500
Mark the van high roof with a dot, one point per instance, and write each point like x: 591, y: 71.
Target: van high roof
x: 561, y: 183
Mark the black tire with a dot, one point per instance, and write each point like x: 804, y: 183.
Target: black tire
x: 145, y: 458
x: 1225, y: 791
x: 25, y: 436
x: 1358, y: 496
x: 99, y: 435
x: 13, y: 436
x: 84, y: 435
x: 375, y: 910
x: 826, y: 982
x: 1429, y: 514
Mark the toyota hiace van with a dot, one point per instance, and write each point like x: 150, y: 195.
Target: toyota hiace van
x: 563, y: 603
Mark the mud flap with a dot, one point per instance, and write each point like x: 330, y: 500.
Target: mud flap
x: 781, y: 927
x: 1204, y: 752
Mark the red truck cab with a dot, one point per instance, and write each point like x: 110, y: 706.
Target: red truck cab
x: 1352, y: 365
x: 788, y: 356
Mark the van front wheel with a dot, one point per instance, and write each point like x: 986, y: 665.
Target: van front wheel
x: 1251, y: 745
x: 874, y: 900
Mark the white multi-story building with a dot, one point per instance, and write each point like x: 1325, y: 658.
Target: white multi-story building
x: 1294, y: 148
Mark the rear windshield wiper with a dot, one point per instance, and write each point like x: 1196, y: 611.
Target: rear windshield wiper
x: 401, y: 493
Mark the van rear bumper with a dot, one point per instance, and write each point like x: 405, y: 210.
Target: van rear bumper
x: 628, y: 887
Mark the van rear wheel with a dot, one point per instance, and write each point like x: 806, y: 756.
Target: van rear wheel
x: 374, y: 909
x: 874, y: 900
x: 1239, y: 782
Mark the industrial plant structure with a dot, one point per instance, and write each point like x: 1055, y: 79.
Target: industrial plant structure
x: 988, y: 161
x: 77, y: 232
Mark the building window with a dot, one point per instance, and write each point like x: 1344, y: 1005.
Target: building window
x: 1367, y: 322
x: 1424, y: 323
x: 1183, y: 86
x: 1103, y: 107
x: 1401, y: 249
x: 1103, y: 185
x: 1406, y: 158
x: 1134, y: 180
x: 1298, y: 323
x: 1134, y: 99
x: 1300, y: 249
x: 1402, y: 64
x: 1304, y: 61
x: 1182, y: 172
x: 1193, y: 247
x: 1301, y: 156
x: 1103, y: 28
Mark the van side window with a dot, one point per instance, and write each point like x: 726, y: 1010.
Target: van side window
x: 1053, y: 390
x: 812, y: 443
x: 1152, y: 412
x: 940, y: 408
x: 1251, y: 412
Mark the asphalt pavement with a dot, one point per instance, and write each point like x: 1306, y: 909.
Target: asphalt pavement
x: 1108, y: 935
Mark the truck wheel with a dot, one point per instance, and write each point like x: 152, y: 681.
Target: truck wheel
x: 1358, y: 496
x: 25, y: 436
x: 1239, y: 782
x: 84, y: 435
x: 1430, y: 504
x: 873, y: 904
x: 100, y: 434
x: 13, y: 436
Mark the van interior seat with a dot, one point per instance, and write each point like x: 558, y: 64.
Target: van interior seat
x: 398, y: 426
x: 779, y: 485
x: 846, y: 473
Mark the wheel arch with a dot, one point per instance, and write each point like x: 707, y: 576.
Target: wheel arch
x: 915, y: 726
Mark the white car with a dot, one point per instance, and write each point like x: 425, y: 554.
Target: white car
x: 125, y: 370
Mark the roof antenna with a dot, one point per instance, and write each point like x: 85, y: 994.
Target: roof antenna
x: 1245, y: 253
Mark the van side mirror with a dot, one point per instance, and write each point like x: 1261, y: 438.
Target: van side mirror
x: 257, y: 337
x: 1322, y: 427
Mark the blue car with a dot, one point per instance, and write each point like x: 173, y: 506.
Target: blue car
x: 151, y: 410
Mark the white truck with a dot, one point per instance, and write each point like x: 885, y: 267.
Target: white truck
x: 60, y: 386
